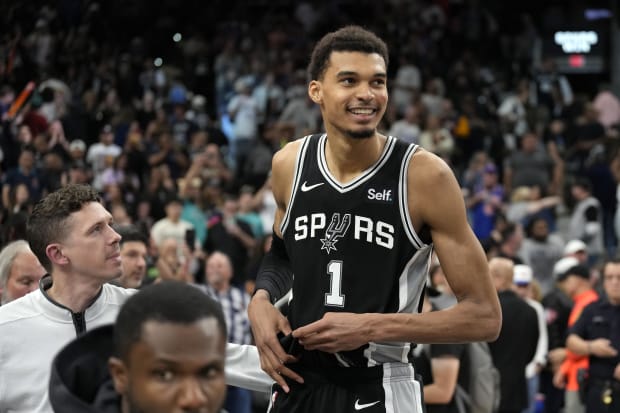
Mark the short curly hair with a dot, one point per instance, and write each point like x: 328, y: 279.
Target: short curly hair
x: 346, y: 39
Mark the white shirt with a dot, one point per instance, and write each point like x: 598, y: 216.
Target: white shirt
x: 542, y: 348
x: 32, y: 330
x: 165, y: 228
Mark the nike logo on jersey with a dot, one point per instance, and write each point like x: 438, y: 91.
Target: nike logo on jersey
x: 305, y: 187
x: 359, y: 406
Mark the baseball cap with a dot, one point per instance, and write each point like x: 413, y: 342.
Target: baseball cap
x: 522, y: 274
x: 107, y: 128
x: 77, y: 144
x: 563, y: 265
x: 574, y: 246
x: 577, y: 270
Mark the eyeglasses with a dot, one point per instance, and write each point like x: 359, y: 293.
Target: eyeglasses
x: 615, y: 277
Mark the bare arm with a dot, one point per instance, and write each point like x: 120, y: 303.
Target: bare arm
x: 600, y: 347
x: 265, y: 319
x: 477, y: 315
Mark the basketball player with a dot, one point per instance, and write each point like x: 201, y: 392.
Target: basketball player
x: 358, y: 215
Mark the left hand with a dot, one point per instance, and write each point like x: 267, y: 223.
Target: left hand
x: 335, y: 332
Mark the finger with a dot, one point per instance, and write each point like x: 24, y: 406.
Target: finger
x: 277, y: 352
x: 285, y: 371
x: 309, y: 329
x: 277, y: 370
x: 280, y: 380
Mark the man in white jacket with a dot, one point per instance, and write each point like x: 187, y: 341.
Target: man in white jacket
x: 70, y: 232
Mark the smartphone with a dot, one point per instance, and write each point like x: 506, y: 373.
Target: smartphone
x: 190, y: 238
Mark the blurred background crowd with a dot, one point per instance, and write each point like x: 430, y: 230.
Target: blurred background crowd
x: 173, y: 109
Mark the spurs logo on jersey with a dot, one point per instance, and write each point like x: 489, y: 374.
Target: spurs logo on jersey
x: 353, y: 247
x: 364, y: 228
x: 336, y: 230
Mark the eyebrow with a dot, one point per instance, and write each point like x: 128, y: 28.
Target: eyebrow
x: 175, y: 363
x: 351, y: 73
x: 109, y: 219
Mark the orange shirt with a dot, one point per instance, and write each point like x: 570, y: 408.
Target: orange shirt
x: 574, y: 362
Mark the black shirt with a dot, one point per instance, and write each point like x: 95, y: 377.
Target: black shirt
x: 600, y: 319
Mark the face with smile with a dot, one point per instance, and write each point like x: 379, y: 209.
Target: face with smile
x: 352, y: 94
x: 91, y: 247
x: 174, y: 367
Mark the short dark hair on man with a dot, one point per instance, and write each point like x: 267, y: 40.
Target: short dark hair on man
x: 131, y: 233
x: 347, y: 39
x: 168, y: 302
x: 583, y: 182
x: 47, y: 223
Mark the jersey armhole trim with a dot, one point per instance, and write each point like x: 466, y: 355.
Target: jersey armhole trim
x: 403, y: 193
x: 299, y: 164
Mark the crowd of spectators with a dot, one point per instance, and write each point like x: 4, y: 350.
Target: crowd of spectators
x: 172, y: 111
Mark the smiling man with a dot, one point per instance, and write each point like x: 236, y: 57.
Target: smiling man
x: 359, y: 214
x: 70, y: 233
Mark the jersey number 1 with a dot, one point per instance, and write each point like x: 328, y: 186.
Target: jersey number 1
x: 334, y: 297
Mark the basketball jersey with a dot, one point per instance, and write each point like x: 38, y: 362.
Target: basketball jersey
x: 353, y: 247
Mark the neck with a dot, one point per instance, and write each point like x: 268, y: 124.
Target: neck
x: 221, y: 286
x: 73, y: 292
x: 348, y: 157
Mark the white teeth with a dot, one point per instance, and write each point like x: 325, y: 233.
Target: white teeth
x: 362, y: 111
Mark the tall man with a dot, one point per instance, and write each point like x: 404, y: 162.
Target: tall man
x: 359, y: 214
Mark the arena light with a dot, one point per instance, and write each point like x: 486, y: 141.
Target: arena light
x: 576, y: 41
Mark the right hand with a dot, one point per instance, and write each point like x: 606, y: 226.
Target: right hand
x: 601, y: 347
x: 267, y: 321
x: 559, y: 380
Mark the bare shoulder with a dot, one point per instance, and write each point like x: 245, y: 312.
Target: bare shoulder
x: 282, y: 171
x: 427, y: 170
x: 434, y: 196
x: 284, y: 160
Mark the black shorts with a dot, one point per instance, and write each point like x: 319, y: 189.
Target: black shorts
x: 387, y: 388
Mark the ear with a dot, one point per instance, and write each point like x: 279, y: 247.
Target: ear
x: 314, y: 91
x: 119, y: 374
x: 55, y: 255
